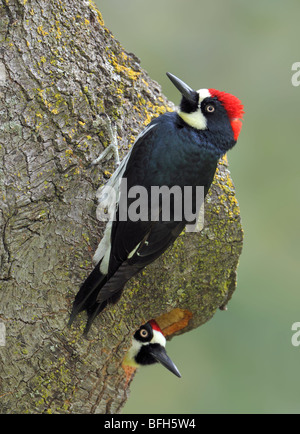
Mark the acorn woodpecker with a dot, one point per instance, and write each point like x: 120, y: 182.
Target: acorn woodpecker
x: 179, y: 148
x: 148, y: 347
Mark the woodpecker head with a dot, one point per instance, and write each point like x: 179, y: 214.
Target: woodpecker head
x: 209, y: 109
x: 148, y: 347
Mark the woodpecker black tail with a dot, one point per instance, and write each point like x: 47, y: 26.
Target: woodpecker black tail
x: 86, y: 298
x: 176, y: 153
x: 99, y: 289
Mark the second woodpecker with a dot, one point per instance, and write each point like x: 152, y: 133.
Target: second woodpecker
x: 181, y: 148
x: 148, y: 347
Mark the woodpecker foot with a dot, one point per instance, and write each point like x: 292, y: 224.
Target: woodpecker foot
x: 112, y: 148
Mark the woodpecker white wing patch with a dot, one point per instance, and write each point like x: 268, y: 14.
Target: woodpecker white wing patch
x: 103, y: 250
x: 196, y: 119
x: 133, y: 251
x: 108, y: 198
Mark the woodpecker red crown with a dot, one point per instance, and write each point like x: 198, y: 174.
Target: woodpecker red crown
x: 234, y: 108
x: 155, y: 326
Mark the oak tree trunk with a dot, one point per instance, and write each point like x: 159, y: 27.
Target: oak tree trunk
x: 62, y: 76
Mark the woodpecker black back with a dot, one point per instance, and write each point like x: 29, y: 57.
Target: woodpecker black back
x: 176, y: 149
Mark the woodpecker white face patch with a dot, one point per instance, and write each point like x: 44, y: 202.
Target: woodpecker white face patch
x: 203, y: 93
x: 158, y: 338
x: 196, y: 119
x: 129, y: 359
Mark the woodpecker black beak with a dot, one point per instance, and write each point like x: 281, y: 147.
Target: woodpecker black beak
x: 183, y: 88
x: 160, y: 355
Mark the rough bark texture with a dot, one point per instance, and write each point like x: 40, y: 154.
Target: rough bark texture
x: 61, y: 74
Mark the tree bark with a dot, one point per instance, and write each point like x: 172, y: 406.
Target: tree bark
x: 62, y: 75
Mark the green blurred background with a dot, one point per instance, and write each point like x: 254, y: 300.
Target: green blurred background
x: 242, y: 360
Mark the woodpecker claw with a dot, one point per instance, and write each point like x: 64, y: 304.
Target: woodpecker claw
x: 111, y: 149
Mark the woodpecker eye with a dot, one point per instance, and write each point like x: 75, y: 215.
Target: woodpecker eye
x: 210, y: 108
x: 144, y: 333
